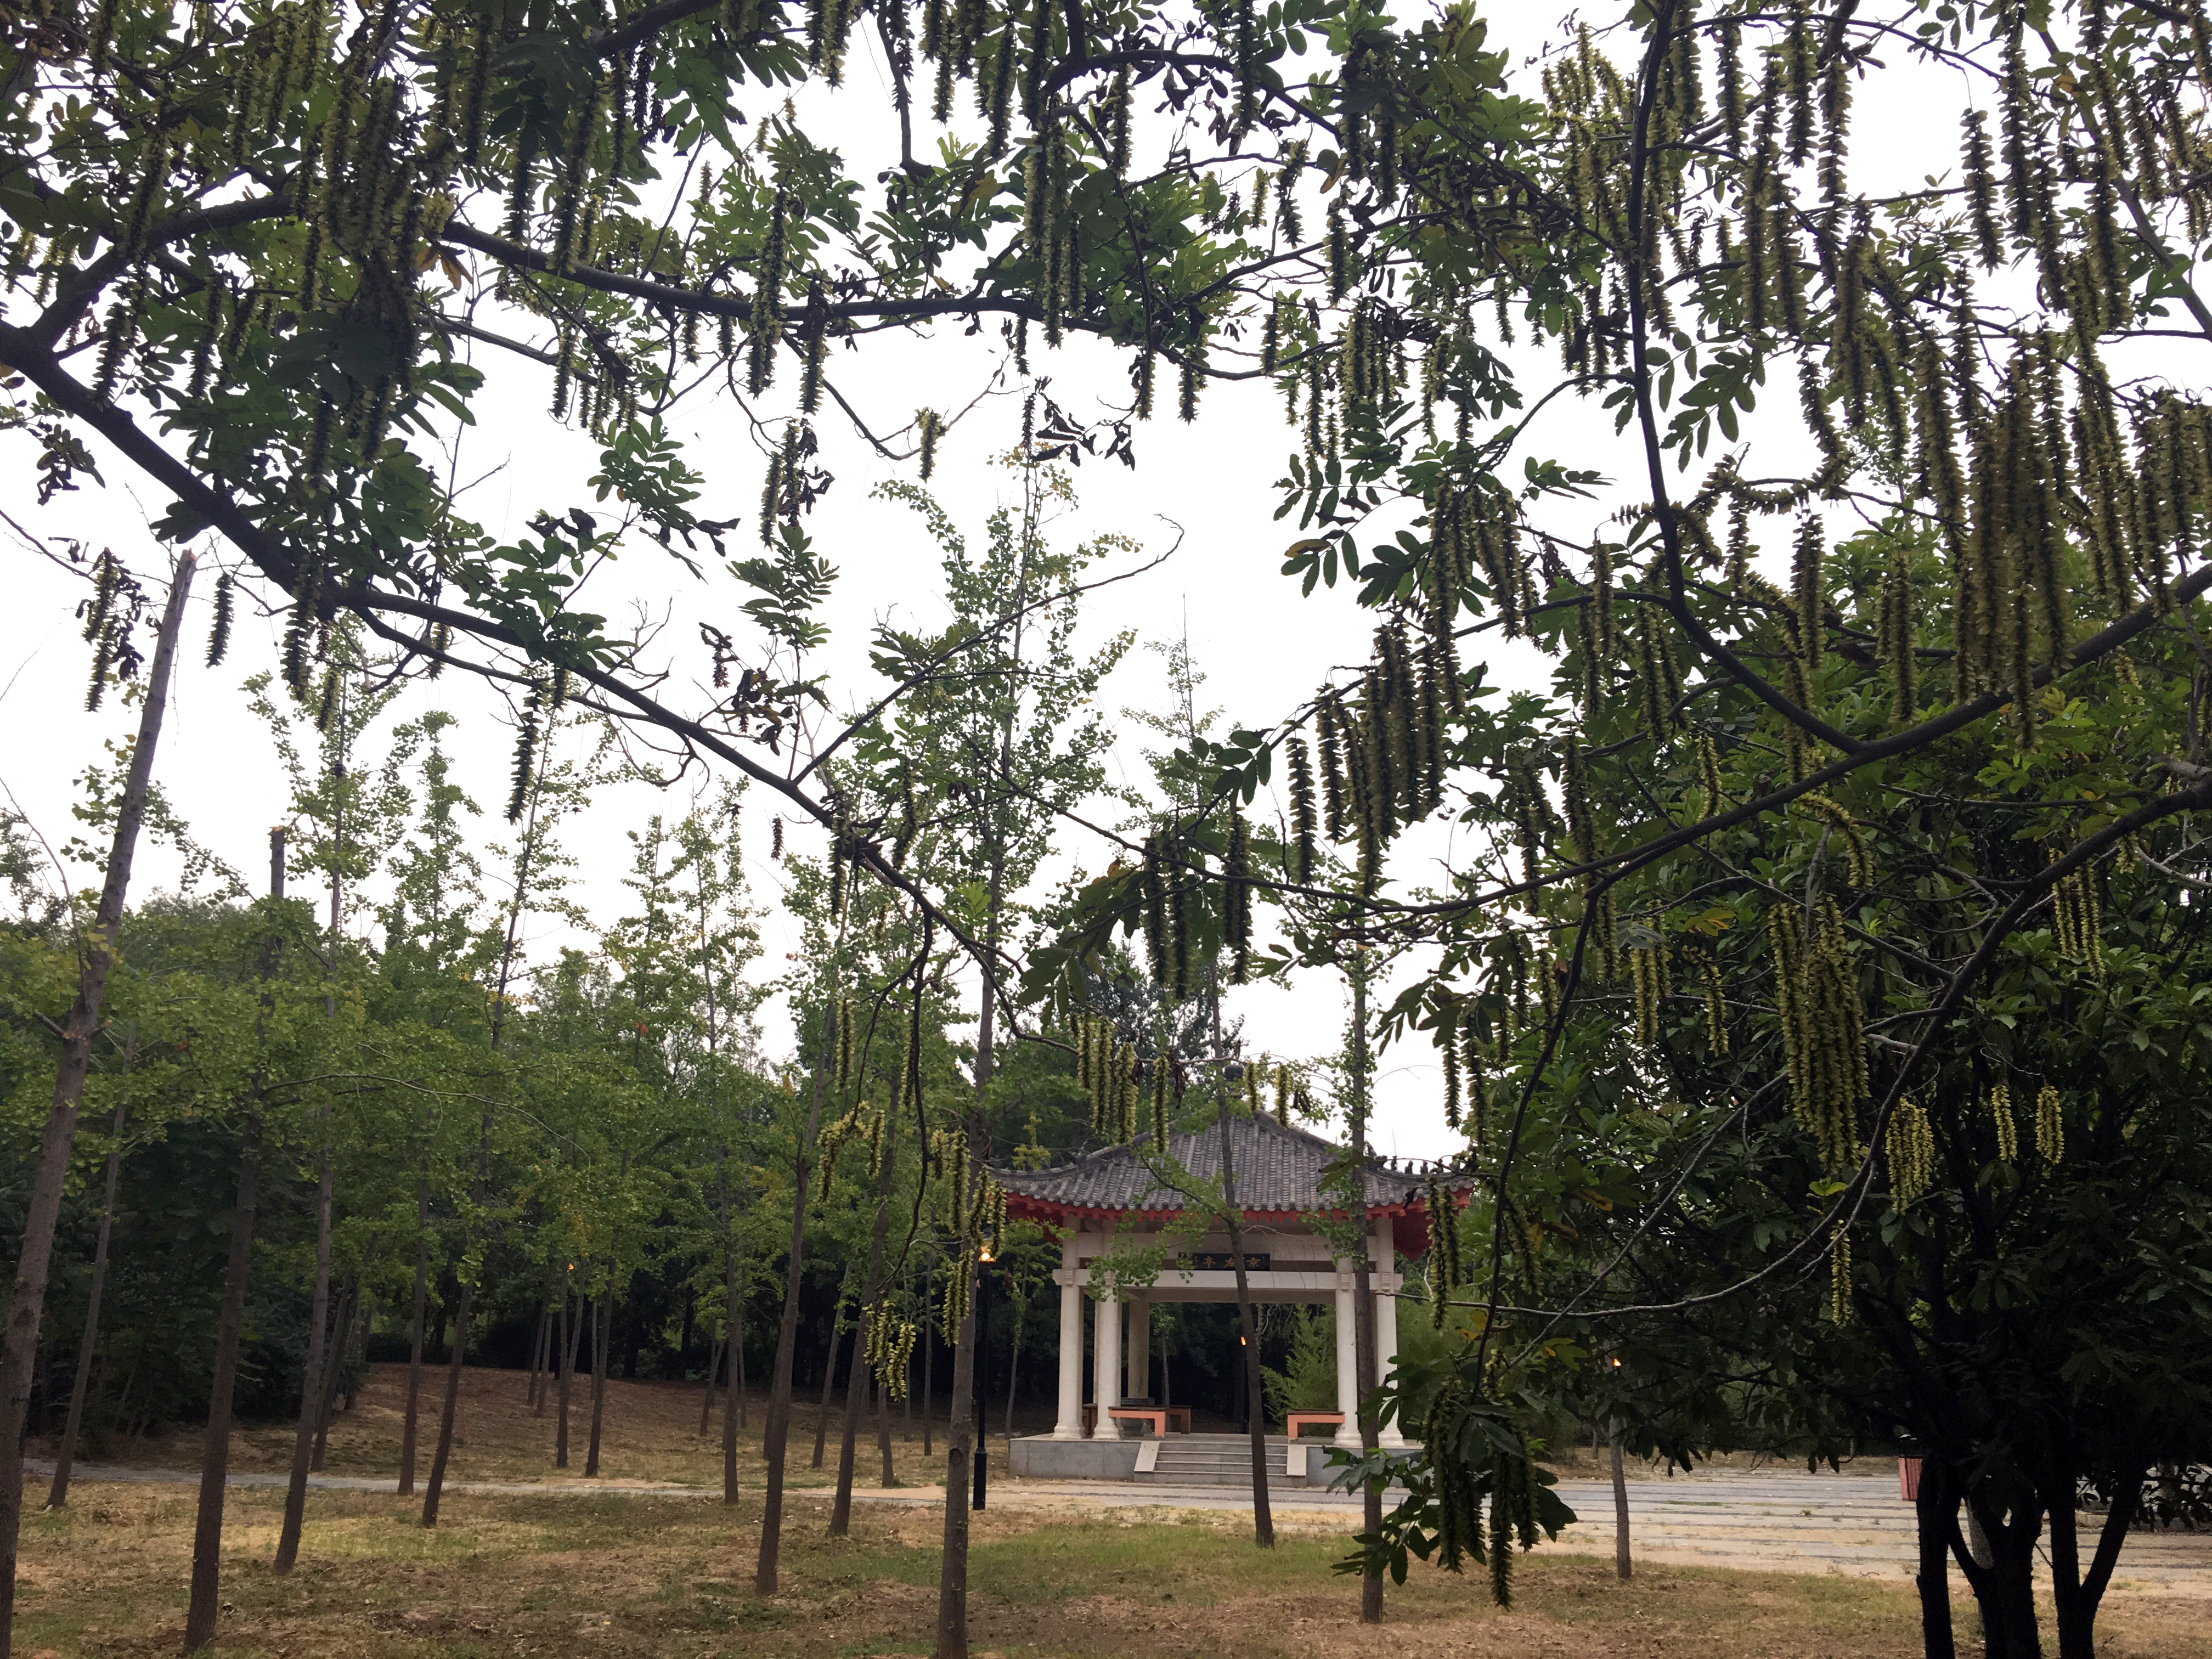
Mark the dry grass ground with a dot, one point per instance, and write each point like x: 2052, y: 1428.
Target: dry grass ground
x: 650, y: 1434
x: 671, y: 1579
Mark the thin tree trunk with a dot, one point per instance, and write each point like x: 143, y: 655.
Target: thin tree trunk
x: 829, y: 1379
x: 733, y: 1397
x: 1364, y: 1366
x: 1255, y: 1408
x: 215, y: 1457
x: 872, y: 1288
x: 205, y: 1605
x: 436, y: 1490
x: 603, y: 1333
x: 95, y: 956
x: 1624, y: 1566
x: 572, y: 1331
x: 333, y: 1366
x: 777, y: 1441
x: 311, y: 1380
x: 884, y: 1433
x: 407, y: 1427
x: 953, y: 1570
x: 707, y: 1399
x: 1014, y: 1365
x: 65, y: 1455
x: 541, y: 1341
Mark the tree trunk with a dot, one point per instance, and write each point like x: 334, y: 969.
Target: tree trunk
x: 707, y: 1399
x: 415, y: 1338
x: 206, y: 1600
x: 95, y: 956
x: 215, y: 1457
x: 541, y: 1343
x: 2076, y: 1595
x: 311, y: 1379
x: 872, y: 1288
x: 952, y: 1571
x: 603, y: 1336
x: 65, y: 1455
x: 884, y: 1433
x: 1364, y: 1366
x: 1248, y: 1329
x: 435, y: 1490
x: 1624, y: 1566
x: 1935, y: 1509
x: 733, y: 1397
x: 777, y: 1440
x: 572, y: 1330
x: 1014, y: 1365
x: 829, y: 1379
x: 333, y: 1366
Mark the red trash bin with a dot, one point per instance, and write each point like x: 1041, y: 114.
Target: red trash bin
x: 1908, y: 1478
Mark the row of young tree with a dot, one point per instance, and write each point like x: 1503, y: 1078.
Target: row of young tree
x: 1815, y: 941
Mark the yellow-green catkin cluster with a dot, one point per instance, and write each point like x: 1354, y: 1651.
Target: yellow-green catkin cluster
x: 2050, y: 1125
x: 1817, y: 998
x: 2000, y: 1105
x: 890, y: 1347
x: 1839, y: 1279
x: 863, y: 1123
x: 1384, y: 757
x: 2076, y: 919
x: 1283, y: 1083
x: 1107, y: 1073
x: 1911, y: 1145
x: 1647, y: 974
x: 844, y: 1067
x: 1449, y: 1046
x: 1163, y: 1081
x: 1446, y: 1270
x: 1858, y: 861
x: 1716, y: 1003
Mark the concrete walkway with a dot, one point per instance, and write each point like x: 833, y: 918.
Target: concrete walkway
x: 1784, y: 1520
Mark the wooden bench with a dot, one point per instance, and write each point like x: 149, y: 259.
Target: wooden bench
x: 1298, y: 1420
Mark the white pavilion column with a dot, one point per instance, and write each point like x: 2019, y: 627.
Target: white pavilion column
x: 1069, y: 1424
x: 1348, y: 1358
x: 1106, y: 1353
x: 1137, y: 1348
x: 1386, y: 1347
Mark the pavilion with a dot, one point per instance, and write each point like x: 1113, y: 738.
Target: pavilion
x: 1109, y: 1202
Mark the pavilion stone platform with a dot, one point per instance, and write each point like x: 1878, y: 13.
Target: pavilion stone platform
x: 1107, y: 1204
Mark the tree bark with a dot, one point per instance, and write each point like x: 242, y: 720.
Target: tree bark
x: 1624, y: 1566
x: 215, y: 1458
x: 777, y: 1440
x: 829, y: 1379
x: 1364, y: 1366
x: 407, y: 1427
x: 541, y: 1346
x: 1935, y: 1510
x: 572, y: 1330
x: 311, y: 1379
x: 65, y: 1455
x: 1248, y: 1329
x: 95, y: 956
x: 435, y: 1491
x: 333, y: 1367
x: 603, y: 1335
x: 872, y: 1288
x: 732, y: 1397
x: 205, y: 1605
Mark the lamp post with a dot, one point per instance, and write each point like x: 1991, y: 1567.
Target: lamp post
x: 977, y: 1487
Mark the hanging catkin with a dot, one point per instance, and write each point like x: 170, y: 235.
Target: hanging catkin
x: 2000, y: 1106
x: 1817, y: 1000
x: 2050, y: 1126
x: 1912, y: 1149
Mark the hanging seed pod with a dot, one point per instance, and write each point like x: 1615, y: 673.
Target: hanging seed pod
x: 1237, y: 898
x: 1709, y: 775
x: 930, y: 426
x: 1716, y: 1035
x: 2050, y: 1126
x: 1450, y: 1050
x: 1300, y: 855
x: 1840, y: 1279
x: 1912, y: 1149
x: 1647, y: 967
x: 1178, y: 962
x: 1896, y: 642
x: 1159, y: 1101
x: 2000, y: 1107
x: 1329, y: 721
x: 1831, y: 812
x: 1154, y: 885
x: 842, y: 1014
x: 226, y: 600
x: 526, y: 757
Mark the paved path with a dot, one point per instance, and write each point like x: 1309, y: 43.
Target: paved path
x: 1775, y: 1520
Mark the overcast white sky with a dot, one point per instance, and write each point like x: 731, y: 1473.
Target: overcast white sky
x: 1261, y: 645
